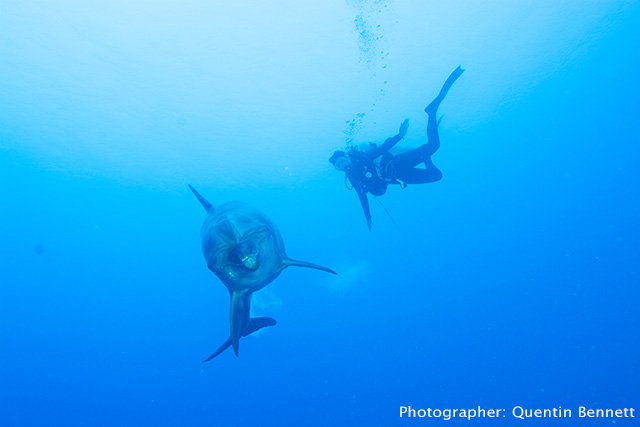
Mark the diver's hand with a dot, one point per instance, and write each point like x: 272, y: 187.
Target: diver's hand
x: 403, y: 128
x: 369, y: 223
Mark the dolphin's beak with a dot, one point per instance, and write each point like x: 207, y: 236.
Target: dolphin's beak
x: 247, y: 255
x: 250, y: 261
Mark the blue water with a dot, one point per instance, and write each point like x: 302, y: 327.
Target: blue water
x: 513, y: 281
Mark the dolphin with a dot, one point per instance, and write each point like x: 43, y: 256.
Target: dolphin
x: 244, y: 248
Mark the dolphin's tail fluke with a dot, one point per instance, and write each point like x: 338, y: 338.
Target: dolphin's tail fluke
x: 293, y: 263
x: 225, y: 345
x: 205, y: 203
x: 254, y: 325
x: 258, y: 323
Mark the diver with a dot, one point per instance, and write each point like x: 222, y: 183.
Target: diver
x: 373, y: 169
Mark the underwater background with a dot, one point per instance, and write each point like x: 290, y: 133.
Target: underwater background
x: 513, y: 281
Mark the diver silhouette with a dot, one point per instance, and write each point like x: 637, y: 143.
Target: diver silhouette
x: 373, y: 169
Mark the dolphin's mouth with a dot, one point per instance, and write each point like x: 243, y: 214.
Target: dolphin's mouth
x: 249, y: 261
x: 246, y: 256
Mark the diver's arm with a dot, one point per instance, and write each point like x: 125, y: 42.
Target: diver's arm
x: 390, y: 142
x: 364, y: 202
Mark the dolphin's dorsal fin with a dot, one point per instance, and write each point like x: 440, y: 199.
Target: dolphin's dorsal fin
x: 288, y: 262
x: 205, y: 203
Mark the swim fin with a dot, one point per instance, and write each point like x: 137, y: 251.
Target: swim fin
x: 433, y: 106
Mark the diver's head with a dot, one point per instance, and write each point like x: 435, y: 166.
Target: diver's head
x: 339, y: 160
x: 246, y: 255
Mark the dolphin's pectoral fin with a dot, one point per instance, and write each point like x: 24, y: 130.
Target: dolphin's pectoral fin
x: 254, y: 325
x: 287, y: 262
x: 205, y: 203
x: 238, y: 316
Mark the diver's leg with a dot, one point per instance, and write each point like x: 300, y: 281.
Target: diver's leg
x: 404, y: 164
x: 419, y: 175
x: 403, y: 167
x: 433, y: 139
x: 406, y: 160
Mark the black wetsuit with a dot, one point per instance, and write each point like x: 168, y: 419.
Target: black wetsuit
x: 366, y: 177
